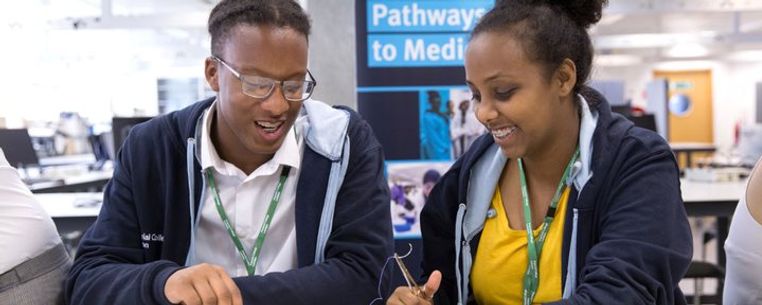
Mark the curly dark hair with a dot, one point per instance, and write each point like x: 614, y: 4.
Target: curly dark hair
x: 229, y: 13
x: 549, y: 30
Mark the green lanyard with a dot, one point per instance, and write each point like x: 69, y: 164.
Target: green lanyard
x: 250, y: 261
x: 531, y: 276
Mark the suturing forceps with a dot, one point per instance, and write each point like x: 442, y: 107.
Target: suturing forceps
x: 411, y: 283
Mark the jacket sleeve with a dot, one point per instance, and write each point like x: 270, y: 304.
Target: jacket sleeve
x: 360, y: 241
x: 110, y: 267
x: 438, y: 231
x: 642, y: 243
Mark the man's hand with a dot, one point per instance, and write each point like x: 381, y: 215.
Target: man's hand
x: 202, y: 284
x: 406, y: 296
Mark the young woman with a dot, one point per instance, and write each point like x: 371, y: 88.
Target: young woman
x: 562, y: 202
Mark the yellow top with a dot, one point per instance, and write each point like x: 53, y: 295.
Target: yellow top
x: 497, y: 276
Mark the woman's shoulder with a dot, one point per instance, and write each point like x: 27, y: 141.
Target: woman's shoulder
x: 620, y: 139
x: 742, y: 278
x: 754, y: 193
x: 629, y: 152
x: 615, y: 134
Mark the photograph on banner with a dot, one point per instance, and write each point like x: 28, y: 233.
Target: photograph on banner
x: 435, y: 115
x: 448, y: 125
x: 409, y: 184
x: 464, y: 127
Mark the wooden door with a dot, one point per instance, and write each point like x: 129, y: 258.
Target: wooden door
x: 690, y: 115
x: 696, y: 123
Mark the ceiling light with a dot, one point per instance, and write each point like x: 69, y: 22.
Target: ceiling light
x: 746, y: 55
x: 617, y: 60
x: 687, y: 50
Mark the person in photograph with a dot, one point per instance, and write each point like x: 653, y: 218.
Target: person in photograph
x: 464, y: 127
x: 435, y: 129
x: 259, y: 195
x: 430, y: 178
x: 562, y: 202
x: 404, y: 210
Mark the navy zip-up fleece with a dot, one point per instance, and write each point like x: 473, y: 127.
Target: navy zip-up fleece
x: 143, y: 232
x: 633, y: 242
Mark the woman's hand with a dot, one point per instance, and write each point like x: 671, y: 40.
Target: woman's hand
x: 406, y: 296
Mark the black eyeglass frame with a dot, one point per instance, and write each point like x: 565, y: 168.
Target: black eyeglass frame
x: 310, y: 84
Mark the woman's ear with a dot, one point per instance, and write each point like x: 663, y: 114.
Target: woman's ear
x: 211, y: 74
x: 566, y: 77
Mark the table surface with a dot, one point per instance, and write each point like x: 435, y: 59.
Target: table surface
x: 68, y: 159
x: 80, y: 178
x: 692, y: 146
x: 719, y: 192
x: 63, y: 205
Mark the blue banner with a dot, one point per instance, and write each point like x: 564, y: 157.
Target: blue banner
x: 411, y: 90
x: 421, y: 50
x: 425, y: 16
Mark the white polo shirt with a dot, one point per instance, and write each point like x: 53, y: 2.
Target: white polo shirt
x: 246, y: 199
x: 26, y: 230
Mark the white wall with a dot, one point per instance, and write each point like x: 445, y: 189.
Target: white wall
x: 332, y: 51
x: 733, y: 89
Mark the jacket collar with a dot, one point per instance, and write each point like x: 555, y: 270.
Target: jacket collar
x: 588, y: 123
x: 324, y: 129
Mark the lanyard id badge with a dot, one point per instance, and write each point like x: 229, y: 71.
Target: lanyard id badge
x: 534, y: 247
x: 249, y: 260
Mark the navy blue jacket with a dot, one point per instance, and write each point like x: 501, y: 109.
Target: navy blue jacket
x: 142, y: 234
x: 628, y: 223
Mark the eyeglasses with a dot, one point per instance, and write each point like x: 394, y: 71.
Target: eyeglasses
x: 261, y: 87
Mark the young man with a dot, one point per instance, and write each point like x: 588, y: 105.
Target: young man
x: 260, y: 196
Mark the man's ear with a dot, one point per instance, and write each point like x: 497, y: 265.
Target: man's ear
x: 212, y: 73
x: 566, y: 77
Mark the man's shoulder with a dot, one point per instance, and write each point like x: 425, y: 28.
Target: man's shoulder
x: 359, y: 131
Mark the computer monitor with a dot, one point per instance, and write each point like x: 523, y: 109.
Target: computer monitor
x: 17, y: 146
x: 121, y: 126
x: 647, y: 121
x: 624, y: 110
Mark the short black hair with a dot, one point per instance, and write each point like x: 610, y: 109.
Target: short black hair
x: 230, y: 13
x: 549, y: 31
